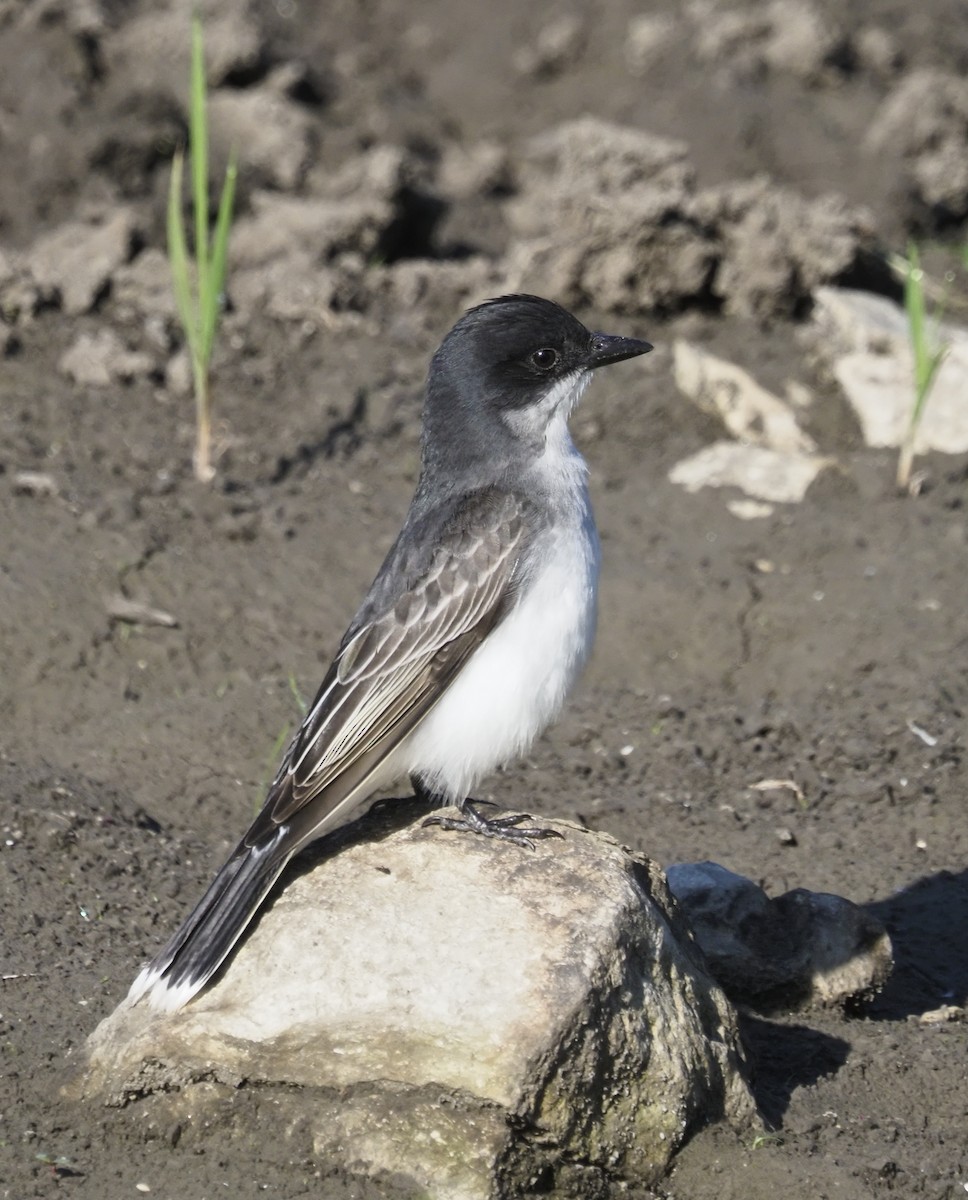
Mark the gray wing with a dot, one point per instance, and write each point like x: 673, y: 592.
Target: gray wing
x: 398, y: 659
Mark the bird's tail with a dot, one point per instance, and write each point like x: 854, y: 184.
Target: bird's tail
x: 200, y: 946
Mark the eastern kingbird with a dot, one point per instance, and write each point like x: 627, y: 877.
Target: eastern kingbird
x: 472, y: 633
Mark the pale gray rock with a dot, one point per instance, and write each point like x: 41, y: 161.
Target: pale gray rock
x: 802, y: 38
x: 614, y: 213
x: 589, y: 155
x: 559, y: 45
x: 144, y: 288
x: 156, y: 44
x: 865, y: 340
x: 315, y: 225
x: 795, y: 951
x: 647, y: 38
x: 749, y: 412
x: 780, y: 477
x: 269, y: 129
x: 638, y: 254
x: 729, y: 36
x: 878, y: 51
x: 101, y: 359
x: 294, y: 288
x: 20, y: 295
x: 924, y: 123
x: 343, y: 211
x: 793, y: 36
x: 772, y: 459
x: 77, y: 259
x: 378, y: 173
x: 777, y: 246
x: 414, y: 290
x: 476, y: 170
x: 470, y: 1015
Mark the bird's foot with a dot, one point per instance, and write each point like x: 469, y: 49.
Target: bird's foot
x: 505, y: 829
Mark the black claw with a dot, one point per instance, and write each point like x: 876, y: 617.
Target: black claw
x: 505, y: 829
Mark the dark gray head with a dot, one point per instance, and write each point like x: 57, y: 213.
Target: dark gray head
x: 508, y: 371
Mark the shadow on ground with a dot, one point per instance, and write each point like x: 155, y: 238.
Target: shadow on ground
x: 927, y: 923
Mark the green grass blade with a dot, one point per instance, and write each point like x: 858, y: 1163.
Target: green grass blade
x: 917, y: 329
x: 220, y: 243
x: 927, y: 350
x: 927, y: 354
x: 198, y: 141
x: 914, y: 305
x: 178, y: 254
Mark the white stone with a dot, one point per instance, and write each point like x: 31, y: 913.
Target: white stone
x: 486, y: 1011
x: 865, y: 338
x: 750, y: 510
x: 761, y: 473
x: 269, y: 130
x: 323, y: 227
x: 749, y: 412
x: 78, y: 258
x: 101, y: 359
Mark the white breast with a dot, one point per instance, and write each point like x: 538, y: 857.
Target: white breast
x: 517, y: 680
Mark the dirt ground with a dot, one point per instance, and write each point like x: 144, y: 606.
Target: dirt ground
x: 825, y: 644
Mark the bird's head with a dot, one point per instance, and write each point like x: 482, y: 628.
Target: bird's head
x: 510, y: 370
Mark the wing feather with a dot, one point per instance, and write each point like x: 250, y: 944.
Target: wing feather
x: 396, y: 663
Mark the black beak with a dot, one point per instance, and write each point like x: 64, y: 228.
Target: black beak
x: 608, y: 348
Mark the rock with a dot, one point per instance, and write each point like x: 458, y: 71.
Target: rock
x: 730, y: 36
x: 749, y: 510
x: 77, y: 259
x: 415, y: 292
x: 144, y: 288
x: 794, y: 36
x: 778, y: 246
x: 481, y: 169
x: 347, y: 211
x: 850, y: 321
x: 640, y: 254
x: 878, y: 51
x: 589, y: 155
x: 749, y: 412
x: 379, y: 173
x: 924, y: 123
x: 319, y: 226
x: 558, y: 45
x: 865, y: 340
x: 614, y: 213
x: 295, y: 288
x: 101, y: 359
x: 156, y: 46
x: 646, y: 39
x: 178, y: 373
x: 471, y: 1015
x: 758, y: 471
x: 800, y: 949
x: 802, y: 38
x: 270, y: 130
x: 20, y: 295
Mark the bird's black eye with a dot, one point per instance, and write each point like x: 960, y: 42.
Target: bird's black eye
x: 544, y: 359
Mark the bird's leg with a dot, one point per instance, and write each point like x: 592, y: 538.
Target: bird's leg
x: 506, y: 829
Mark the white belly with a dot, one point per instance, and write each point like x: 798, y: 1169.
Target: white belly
x: 517, y: 680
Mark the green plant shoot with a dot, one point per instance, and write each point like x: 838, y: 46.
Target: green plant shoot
x: 928, y: 353
x: 199, y: 309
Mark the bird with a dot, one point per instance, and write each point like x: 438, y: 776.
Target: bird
x: 471, y: 635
